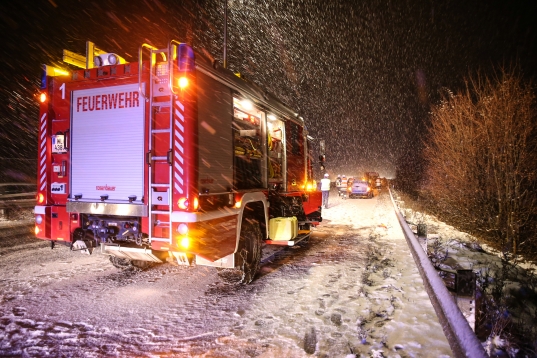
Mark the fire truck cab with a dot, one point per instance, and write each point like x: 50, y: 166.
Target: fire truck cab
x: 170, y: 158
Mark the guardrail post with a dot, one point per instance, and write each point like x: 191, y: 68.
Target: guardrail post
x: 422, y: 236
x: 422, y: 230
x: 465, y: 287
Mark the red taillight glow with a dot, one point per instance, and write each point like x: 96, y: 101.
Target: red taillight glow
x: 40, y: 198
x: 42, y: 97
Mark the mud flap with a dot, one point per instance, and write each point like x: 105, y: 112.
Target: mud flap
x: 85, y: 247
x: 182, y: 258
x: 225, y: 262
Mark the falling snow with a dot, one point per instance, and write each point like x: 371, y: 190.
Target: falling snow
x: 362, y: 74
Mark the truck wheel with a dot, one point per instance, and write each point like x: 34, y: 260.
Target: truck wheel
x: 248, y: 255
x: 120, y: 263
x: 126, y: 264
x: 143, y: 265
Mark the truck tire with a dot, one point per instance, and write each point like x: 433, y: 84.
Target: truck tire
x: 120, y: 263
x: 248, y: 255
x: 126, y: 264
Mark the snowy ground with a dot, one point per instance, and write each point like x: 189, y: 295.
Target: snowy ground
x: 352, y: 290
x: 507, y: 327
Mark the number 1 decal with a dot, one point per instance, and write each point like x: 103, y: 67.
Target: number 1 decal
x: 62, y: 88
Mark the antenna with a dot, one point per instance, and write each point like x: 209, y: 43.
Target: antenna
x: 225, y: 33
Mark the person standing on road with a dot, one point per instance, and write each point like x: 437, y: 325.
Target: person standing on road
x: 344, y: 182
x: 325, y: 189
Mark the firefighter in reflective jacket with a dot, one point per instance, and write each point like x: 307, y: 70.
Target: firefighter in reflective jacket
x: 344, y: 181
x: 325, y: 189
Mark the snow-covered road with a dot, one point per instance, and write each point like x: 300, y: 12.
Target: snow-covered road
x: 352, y: 289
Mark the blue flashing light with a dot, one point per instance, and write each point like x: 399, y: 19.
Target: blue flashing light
x: 185, y: 58
x: 44, y: 77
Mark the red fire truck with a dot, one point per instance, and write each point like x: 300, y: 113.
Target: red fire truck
x: 170, y: 158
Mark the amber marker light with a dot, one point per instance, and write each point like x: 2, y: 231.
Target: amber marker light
x: 40, y: 198
x: 43, y: 97
x: 37, y: 230
x: 185, y: 242
x: 183, y: 82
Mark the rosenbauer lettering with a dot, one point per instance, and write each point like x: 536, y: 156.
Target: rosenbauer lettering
x: 103, y: 102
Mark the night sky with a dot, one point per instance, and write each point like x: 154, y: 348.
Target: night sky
x: 363, y: 74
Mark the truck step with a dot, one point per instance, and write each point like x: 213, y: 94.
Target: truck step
x: 164, y: 130
x: 130, y: 253
x: 162, y: 225
x: 163, y: 239
x: 301, y: 236
x: 164, y: 212
x: 162, y: 103
x: 155, y: 185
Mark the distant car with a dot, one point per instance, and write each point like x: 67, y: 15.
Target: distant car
x: 17, y: 195
x: 360, y: 189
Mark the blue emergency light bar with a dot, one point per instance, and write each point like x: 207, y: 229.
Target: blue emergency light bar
x: 185, y: 58
x: 51, y: 71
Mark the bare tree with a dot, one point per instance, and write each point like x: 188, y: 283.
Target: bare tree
x: 481, y: 157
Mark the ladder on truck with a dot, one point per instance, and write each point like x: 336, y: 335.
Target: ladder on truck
x: 160, y: 97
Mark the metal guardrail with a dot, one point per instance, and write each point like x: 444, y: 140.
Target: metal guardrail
x: 17, y: 203
x: 460, y: 336
x: 17, y: 195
